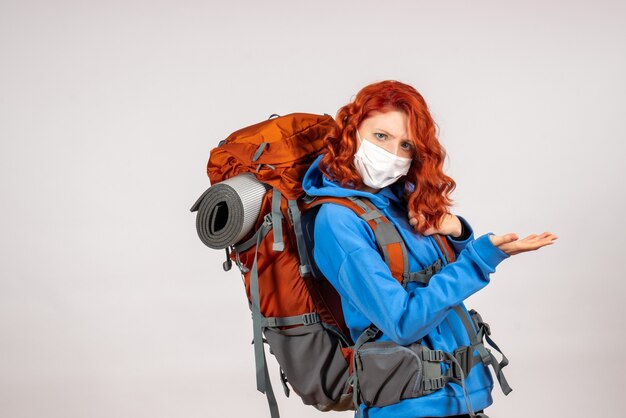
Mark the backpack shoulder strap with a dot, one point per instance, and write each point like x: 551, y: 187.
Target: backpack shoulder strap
x: 388, y: 239
x: 445, y: 248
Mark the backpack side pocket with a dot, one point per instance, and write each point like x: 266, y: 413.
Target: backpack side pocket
x: 388, y: 372
x: 312, y: 360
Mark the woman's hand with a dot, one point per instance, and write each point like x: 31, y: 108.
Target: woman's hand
x: 510, y: 244
x: 450, y: 224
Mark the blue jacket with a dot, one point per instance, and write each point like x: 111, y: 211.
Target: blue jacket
x: 347, y: 254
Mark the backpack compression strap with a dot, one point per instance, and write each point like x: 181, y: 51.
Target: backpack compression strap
x: 486, y: 356
x: 273, y: 221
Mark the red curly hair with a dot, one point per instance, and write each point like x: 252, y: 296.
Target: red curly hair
x: 427, y: 188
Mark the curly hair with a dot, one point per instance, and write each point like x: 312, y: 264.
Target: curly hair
x: 426, y: 188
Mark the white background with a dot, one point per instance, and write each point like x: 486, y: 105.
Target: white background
x: 110, y: 306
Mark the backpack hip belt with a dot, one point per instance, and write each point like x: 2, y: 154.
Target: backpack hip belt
x: 385, y: 373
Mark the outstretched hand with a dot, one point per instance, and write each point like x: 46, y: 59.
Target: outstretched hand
x: 511, y: 244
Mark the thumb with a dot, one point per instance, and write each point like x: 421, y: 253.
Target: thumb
x: 503, y: 239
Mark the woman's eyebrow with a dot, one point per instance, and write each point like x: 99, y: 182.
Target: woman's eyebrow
x: 385, y: 132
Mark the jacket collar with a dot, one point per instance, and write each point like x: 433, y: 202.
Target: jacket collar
x: 315, y: 183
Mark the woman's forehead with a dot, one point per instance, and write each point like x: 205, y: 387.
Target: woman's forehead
x: 393, y: 122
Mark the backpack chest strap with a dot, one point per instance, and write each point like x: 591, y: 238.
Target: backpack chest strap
x: 422, y: 276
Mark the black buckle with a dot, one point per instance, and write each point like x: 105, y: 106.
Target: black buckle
x: 310, y: 318
x: 479, y: 323
x: 372, y: 331
x: 436, y: 266
x: 463, y: 356
x: 433, y: 355
x: 486, y: 327
x: 433, y: 384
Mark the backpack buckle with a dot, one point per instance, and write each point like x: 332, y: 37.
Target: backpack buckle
x: 463, y: 356
x: 305, y: 270
x: 433, y: 384
x: 432, y: 355
x: 310, y: 318
x: 486, y: 327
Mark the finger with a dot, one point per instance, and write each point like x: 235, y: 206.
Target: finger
x: 543, y: 234
x: 535, y: 245
x: 511, y: 236
x: 499, y: 240
x: 417, y: 220
x: 429, y: 231
x: 549, y: 239
x: 534, y: 239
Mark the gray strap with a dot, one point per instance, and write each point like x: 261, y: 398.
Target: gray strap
x: 475, y: 339
x: 433, y: 379
x: 375, y: 215
x: 422, y: 276
x: 467, y: 323
x: 283, y: 380
x: 294, y: 213
x: 368, y: 216
x: 277, y: 222
x: 370, y: 333
x: 385, y: 232
x: 263, y: 230
x: 432, y: 355
x: 497, y: 367
x: 285, y: 321
x: 259, y: 166
x: 405, y: 257
x: 439, y: 239
x: 271, y: 398
x: 259, y: 151
x: 468, y: 401
x: 466, y: 359
x: 486, y: 355
x: 263, y: 382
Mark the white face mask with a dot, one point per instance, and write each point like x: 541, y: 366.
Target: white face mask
x: 378, y: 167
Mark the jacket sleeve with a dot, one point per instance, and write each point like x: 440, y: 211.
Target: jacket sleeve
x: 346, y: 253
x: 458, y: 244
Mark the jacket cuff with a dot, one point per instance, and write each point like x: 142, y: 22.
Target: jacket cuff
x: 466, y: 232
x: 490, y: 254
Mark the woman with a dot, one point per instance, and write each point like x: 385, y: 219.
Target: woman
x: 385, y: 149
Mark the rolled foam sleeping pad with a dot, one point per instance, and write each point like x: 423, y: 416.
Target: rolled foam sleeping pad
x: 228, y: 210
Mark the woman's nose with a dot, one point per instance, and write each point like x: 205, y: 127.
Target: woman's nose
x: 393, y: 148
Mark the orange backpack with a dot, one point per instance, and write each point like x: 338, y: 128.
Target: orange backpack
x: 293, y: 305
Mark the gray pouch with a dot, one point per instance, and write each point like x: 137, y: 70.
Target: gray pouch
x: 388, y: 372
x: 313, y: 363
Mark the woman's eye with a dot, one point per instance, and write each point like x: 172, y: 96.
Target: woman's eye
x: 382, y: 136
x: 408, y: 147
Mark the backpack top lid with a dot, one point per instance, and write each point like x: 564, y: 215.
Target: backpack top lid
x: 278, y: 151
